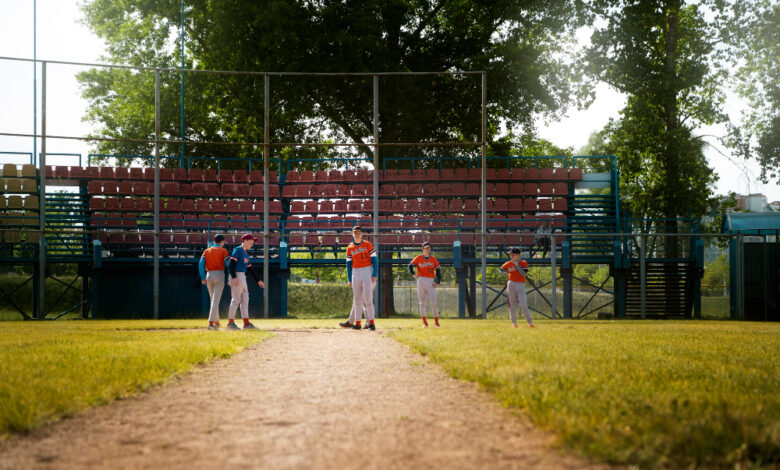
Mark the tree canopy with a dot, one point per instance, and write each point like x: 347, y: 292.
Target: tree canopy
x: 520, y: 44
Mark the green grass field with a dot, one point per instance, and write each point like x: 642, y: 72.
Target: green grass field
x: 653, y: 394
x: 53, y: 369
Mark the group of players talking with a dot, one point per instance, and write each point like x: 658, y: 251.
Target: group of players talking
x: 362, y: 267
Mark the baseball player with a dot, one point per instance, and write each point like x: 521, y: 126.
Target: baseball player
x: 517, y: 270
x: 212, y: 275
x: 351, y: 320
x: 428, y: 277
x: 239, y: 265
x: 362, y: 265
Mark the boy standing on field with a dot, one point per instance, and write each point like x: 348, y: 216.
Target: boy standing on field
x: 238, y: 266
x: 516, y: 269
x: 428, y: 277
x: 362, y: 266
x: 212, y: 275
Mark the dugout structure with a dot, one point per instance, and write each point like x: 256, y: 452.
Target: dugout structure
x: 137, y: 225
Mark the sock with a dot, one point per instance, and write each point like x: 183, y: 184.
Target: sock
x: 436, y: 320
x: 357, y: 323
x: 246, y: 321
x: 231, y: 320
x: 425, y: 321
x: 371, y: 322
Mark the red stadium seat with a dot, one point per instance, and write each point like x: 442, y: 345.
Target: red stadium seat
x: 246, y: 206
x: 348, y: 176
x: 456, y: 205
x: 575, y: 174
x: 213, y: 189
x: 501, y: 189
x: 225, y: 176
x: 187, y: 205
x: 432, y: 175
x: 418, y: 175
x: 141, y: 188
x: 358, y: 190
x: 561, y: 189
x: 461, y: 174
x: 472, y: 189
x: 412, y: 206
x: 516, y: 205
x: 307, y: 176
x: 94, y: 187
x: 546, y: 189
x: 321, y: 176
x: 387, y: 190
x: 110, y: 187
x: 92, y: 172
x: 547, y: 174
x: 545, y: 205
x: 496, y: 222
x: 240, y: 176
x: 529, y: 205
x: 444, y: 189
x: 275, y: 207
x: 340, y: 206
x: 490, y: 174
x: 229, y: 190
x: 256, y: 176
x: 429, y: 189
x: 316, y: 191
x: 401, y: 190
x: 559, y: 204
x: 426, y: 205
x: 97, y: 204
x: 143, y: 204
x: 76, y: 172
x: 185, y: 189
x: 136, y: 173
x: 107, y: 172
x: 530, y: 189
x: 447, y: 174
x: 169, y: 189
x: 559, y: 221
x: 368, y: 205
x: 405, y: 175
x: 441, y: 205
x: 355, y: 205
x: 195, y: 174
x: 121, y: 173
x: 171, y: 205
x: 199, y: 189
x: 458, y: 189
x: 231, y: 206
x: 254, y: 222
x: 471, y: 205
x: 179, y: 174
x: 365, y: 175
x: 385, y: 205
x: 561, y: 174
x: 311, y: 207
x: 127, y: 204
x: 166, y: 174
x: 210, y: 175
x: 504, y: 174
x: 297, y: 207
x: 532, y: 174
x: 334, y: 176
x: 415, y: 190
x: 500, y: 205
x: 293, y: 176
x: 203, y: 205
x: 218, y: 206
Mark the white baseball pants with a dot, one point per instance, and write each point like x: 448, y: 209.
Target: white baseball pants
x: 240, y: 296
x: 515, y: 291
x: 363, y: 292
x: 215, y: 282
x: 426, y: 292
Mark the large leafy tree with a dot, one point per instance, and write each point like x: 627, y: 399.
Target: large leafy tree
x: 751, y: 29
x: 520, y: 44
x: 662, y: 54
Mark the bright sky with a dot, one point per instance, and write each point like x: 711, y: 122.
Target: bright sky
x: 61, y: 36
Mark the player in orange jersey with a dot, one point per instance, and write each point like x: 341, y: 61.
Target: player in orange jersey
x: 212, y: 275
x: 362, y: 266
x: 517, y: 270
x: 428, y: 277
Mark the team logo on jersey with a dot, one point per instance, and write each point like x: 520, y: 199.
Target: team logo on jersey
x: 358, y: 250
x: 428, y: 264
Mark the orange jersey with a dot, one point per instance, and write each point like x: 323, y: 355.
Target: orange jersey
x: 426, y: 267
x: 360, y: 254
x: 215, y: 258
x: 512, y: 269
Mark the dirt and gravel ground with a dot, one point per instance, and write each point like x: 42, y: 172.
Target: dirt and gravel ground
x: 302, y: 399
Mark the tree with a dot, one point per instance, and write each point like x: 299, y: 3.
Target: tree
x: 751, y: 29
x: 661, y: 53
x: 520, y: 44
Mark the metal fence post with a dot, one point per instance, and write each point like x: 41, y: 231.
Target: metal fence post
x: 41, y: 313
x: 266, y: 159
x: 377, y: 244
x: 553, y: 278
x: 156, y: 280
x: 643, y: 274
x: 483, y: 193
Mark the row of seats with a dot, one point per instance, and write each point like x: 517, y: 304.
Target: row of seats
x: 19, y: 186
x: 11, y: 170
x: 118, y: 219
x: 143, y: 188
x: 322, y: 176
x: 20, y: 218
x: 166, y: 174
x: 20, y: 236
x: 19, y: 202
x: 435, y: 175
x: 182, y: 205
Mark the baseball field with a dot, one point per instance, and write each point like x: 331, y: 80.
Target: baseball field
x: 652, y: 394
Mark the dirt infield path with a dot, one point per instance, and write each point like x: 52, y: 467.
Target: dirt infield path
x: 303, y: 399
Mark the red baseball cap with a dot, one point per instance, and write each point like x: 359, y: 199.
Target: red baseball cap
x: 248, y: 236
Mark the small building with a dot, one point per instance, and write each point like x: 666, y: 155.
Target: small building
x: 754, y: 268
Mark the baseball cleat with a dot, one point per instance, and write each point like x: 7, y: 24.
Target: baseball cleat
x: 356, y: 327
x: 250, y: 326
x: 232, y: 326
x: 531, y: 326
x: 345, y: 324
x: 213, y: 327
x: 515, y: 326
x: 365, y: 327
x: 372, y: 327
x: 425, y: 325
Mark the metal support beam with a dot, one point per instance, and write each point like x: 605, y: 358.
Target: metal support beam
x: 643, y: 274
x: 41, y: 311
x: 156, y: 276
x: 266, y: 159
x: 483, y: 193
x: 553, y: 278
x: 377, y: 286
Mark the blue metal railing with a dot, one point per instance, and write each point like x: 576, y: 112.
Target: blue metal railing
x: 29, y: 155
